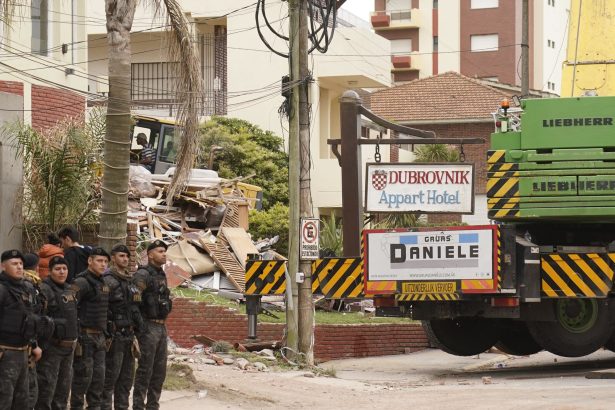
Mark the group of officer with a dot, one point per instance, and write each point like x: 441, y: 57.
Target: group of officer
x: 81, y: 339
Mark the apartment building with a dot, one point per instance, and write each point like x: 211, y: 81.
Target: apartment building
x: 477, y: 38
x: 42, y: 81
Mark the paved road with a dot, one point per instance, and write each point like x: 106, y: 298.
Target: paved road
x: 424, y: 380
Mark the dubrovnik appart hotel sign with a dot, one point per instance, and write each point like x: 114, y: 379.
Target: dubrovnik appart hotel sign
x: 419, y: 187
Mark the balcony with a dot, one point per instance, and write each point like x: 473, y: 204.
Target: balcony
x: 394, y: 19
x: 400, y: 61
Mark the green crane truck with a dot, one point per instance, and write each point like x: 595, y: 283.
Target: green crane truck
x: 541, y: 275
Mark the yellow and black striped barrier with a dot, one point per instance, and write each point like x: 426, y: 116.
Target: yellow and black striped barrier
x: 265, y: 277
x: 577, y: 274
x: 503, y: 207
x: 338, y: 278
x: 413, y: 297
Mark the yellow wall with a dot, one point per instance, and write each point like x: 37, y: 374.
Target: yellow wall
x: 595, y: 33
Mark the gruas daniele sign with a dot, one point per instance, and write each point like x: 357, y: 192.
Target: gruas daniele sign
x: 452, y: 253
x: 419, y: 187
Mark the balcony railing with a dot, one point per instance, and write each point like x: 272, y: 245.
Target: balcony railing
x: 154, y: 84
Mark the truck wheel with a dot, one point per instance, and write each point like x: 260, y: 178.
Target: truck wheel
x: 582, y: 326
x: 462, y: 336
x: 516, y: 339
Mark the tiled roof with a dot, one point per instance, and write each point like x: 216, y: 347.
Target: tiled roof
x: 447, y: 96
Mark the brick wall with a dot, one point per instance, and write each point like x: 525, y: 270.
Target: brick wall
x: 475, y: 153
x: 332, y: 341
x: 50, y: 105
x: 13, y: 87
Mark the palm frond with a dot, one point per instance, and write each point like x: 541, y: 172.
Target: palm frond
x: 189, y: 88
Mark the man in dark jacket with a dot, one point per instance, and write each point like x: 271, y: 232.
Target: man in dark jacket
x: 125, y: 319
x: 155, y: 307
x: 92, y: 296
x: 55, y: 367
x: 75, y: 254
x: 20, y: 328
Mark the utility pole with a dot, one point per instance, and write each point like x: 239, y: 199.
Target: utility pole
x: 293, y: 179
x: 306, y: 308
x: 525, y: 50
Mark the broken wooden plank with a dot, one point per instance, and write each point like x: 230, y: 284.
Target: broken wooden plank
x: 240, y: 242
x: 227, y: 262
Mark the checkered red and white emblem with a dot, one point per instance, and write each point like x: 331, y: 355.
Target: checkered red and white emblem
x: 379, y: 180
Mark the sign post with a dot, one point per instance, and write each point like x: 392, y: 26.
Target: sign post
x: 310, y: 234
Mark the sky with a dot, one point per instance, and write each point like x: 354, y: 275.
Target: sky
x: 361, y: 8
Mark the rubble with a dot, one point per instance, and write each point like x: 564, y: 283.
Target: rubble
x: 205, y: 227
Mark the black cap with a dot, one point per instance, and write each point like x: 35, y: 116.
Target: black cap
x: 157, y: 244
x: 30, y: 260
x: 100, y: 252
x: 57, y: 260
x: 11, y: 254
x: 120, y: 248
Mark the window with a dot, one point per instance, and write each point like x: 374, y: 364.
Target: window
x: 399, y: 10
x: 435, y: 44
x: 484, y: 42
x: 551, y: 43
x: 551, y: 3
x: 484, y: 4
x: 39, y: 11
x: 401, y: 46
x: 435, y: 4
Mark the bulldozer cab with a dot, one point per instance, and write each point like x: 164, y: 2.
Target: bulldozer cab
x: 154, y: 143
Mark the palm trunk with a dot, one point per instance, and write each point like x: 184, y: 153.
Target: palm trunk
x: 113, y: 216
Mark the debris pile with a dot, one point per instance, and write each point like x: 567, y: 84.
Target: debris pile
x: 205, y: 228
x: 201, y: 354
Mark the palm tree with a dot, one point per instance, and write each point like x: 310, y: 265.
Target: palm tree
x: 120, y: 15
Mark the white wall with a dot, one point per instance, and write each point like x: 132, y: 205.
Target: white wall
x: 449, y: 28
x: 479, y: 217
x: 554, y: 27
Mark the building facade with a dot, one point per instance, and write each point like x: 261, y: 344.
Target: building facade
x: 243, y: 79
x: 44, y: 61
x: 478, y: 38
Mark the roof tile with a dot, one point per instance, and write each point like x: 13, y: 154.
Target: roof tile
x: 447, y: 96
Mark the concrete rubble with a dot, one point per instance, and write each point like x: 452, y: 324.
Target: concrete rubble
x: 200, y: 354
x: 205, y: 228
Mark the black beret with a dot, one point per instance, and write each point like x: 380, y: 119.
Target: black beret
x: 57, y: 260
x: 120, y: 248
x: 30, y: 260
x: 100, y: 252
x: 11, y: 254
x: 157, y: 244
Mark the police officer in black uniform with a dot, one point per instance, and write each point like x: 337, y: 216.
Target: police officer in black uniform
x: 20, y: 328
x: 124, y: 319
x: 155, y: 307
x: 92, y: 297
x: 55, y: 367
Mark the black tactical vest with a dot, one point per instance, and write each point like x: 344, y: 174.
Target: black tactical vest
x: 156, y: 297
x: 93, y: 301
x: 17, y: 320
x: 124, y: 297
x: 62, y: 307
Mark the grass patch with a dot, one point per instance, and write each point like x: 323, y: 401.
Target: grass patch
x: 329, y: 318
x: 180, y: 377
